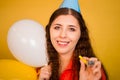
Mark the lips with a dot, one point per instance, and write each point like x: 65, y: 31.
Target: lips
x: 63, y: 43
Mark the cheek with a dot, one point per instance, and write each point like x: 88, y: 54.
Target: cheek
x: 54, y: 33
x: 75, y: 38
x: 53, y: 36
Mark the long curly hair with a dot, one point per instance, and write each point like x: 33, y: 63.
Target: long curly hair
x: 82, y: 48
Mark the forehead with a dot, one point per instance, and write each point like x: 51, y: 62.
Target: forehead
x: 66, y: 19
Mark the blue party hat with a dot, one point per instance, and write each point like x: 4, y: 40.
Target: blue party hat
x: 73, y: 4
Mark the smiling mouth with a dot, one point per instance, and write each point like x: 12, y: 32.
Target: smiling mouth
x: 63, y: 43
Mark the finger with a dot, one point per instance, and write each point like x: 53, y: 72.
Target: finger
x: 82, y: 66
x: 44, y: 76
x: 45, y: 73
x: 45, y: 70
x: 97, y: 67
x: 97, y: 64
x: 97, y: 74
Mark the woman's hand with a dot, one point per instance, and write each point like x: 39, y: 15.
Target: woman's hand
x: 45, y: 73
x: 92, y: 72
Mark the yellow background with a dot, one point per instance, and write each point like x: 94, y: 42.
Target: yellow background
x: 102, y: 18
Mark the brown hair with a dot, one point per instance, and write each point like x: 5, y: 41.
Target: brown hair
x: 83, y: 46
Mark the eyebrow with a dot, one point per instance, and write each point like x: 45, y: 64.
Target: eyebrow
x: 75, y: 26
x: 57, y: 24
x: 72, y: 26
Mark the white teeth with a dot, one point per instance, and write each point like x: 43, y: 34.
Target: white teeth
x: 61, y: 42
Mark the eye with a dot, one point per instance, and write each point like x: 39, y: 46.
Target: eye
x: 56, y: 27
x: 72, y: 29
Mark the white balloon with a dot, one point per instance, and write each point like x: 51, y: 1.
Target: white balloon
x: 26, y: 41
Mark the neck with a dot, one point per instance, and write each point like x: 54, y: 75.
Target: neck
x: 64, y: 61
x: 66, y: 57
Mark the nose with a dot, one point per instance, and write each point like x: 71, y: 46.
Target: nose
x: 63, y: 33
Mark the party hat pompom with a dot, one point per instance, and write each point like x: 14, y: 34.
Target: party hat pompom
x: 73, y: 4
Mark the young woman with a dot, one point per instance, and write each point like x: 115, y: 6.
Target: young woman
x: 67, y: 38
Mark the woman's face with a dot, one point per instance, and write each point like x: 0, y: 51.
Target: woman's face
x: 65, y: 33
